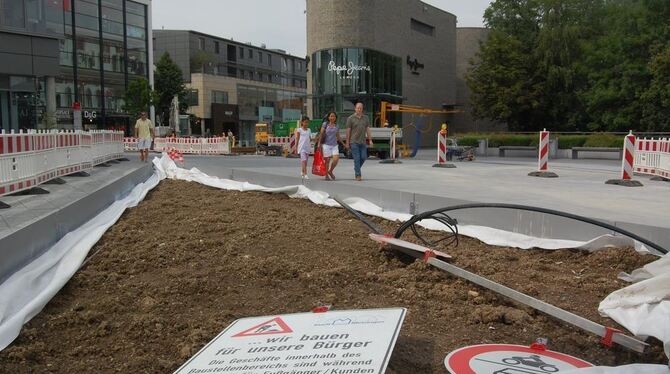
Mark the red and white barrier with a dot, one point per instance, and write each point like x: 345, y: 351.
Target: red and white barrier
x: 29, y: 159
x: 130, y: 144
x: 543, y: 154
x: 282, y: 141
x: 442, y: 152
x: 293, y: 145
x: 199, y: 146
x: 652, y: 157
x: 628, y: 157
x: 442, y: 147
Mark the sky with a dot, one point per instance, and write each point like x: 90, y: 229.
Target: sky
x: 275, y: 23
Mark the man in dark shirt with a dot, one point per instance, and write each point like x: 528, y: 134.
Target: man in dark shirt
x: 358, y: 128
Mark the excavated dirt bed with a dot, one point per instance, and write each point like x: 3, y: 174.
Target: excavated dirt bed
x: 189, y: 260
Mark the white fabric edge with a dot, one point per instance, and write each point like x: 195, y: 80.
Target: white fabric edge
x: 25, y: 293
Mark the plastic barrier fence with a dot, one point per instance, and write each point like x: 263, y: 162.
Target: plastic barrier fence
x: 198, y: 146
x: 652, y: 157
x: 130, y: 144
x: 29, y: 159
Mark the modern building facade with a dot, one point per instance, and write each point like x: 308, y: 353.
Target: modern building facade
x: 54, y: 53
x: 235, y: 85
x: 29, y: 37
x: 399, y: 51
x: 106, y: 45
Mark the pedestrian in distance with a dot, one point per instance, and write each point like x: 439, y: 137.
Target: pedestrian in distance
x: 144, y: 132
x: 358, y: 130
x: 330, y: 137
x: 303, y: 138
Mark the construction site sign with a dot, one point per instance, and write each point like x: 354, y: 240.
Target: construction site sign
x: 349, y: 341
x: 509, y: 359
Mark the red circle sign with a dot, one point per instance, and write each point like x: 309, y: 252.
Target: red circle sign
x: 76, y: 106
x: 509, y: 359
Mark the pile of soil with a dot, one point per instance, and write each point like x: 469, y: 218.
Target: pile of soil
x: 189, y: 260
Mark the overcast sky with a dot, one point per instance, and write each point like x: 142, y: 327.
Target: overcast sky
x: 277, y: 23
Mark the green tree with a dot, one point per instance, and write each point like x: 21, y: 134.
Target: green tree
x: 599, y: 65
x: 168, y: 83
x: 139, y: 96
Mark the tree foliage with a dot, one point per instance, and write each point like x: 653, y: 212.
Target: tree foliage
x: 168, y: 83
x: 139, y: 96
x: 598, y: 65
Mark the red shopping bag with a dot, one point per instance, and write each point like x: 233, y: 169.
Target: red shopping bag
x: 318, y: 165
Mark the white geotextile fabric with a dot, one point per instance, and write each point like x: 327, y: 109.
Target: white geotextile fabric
x: 644, y: 310
x: 27, y: 291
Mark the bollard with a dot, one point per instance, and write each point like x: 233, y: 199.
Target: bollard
x: 543, y: 158
x: 442, y: 149
x: 627, y: 164
x: 392, y: 148
x: 293, y: 147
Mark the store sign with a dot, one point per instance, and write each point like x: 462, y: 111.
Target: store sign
x: 348, y: 70
x: 414, y: 65
x: 90, y: 115
x: 63, y: 114
x: 346, y: 341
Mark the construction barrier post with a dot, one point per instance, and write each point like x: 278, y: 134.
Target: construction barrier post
x: 627, y: 164
x: 293, y: 146
x: 392, y: 149
x: 442, y: 152
x: 543, y: 158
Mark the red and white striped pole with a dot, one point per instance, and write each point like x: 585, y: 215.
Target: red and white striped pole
x: 628, y: 157
x: 293, y: 146
x: 543, y: 158
x: 391, y: 159
x: 627, y: 164
x: 442, y: 149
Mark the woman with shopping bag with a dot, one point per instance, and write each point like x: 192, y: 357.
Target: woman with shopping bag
x: 330, y: 136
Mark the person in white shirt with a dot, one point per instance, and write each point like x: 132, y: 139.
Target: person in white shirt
x: 303, y: 138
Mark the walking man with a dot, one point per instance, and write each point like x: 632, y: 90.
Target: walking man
x: 358, y: 128
x: 144, y: 132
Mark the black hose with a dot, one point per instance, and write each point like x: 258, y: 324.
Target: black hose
x: 430, y: 214
x: 358, y: 215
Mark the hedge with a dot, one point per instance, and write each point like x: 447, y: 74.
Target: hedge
x: 564, y: 141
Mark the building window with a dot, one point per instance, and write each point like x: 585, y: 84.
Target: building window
x: 250, y: 53
x: 421, y: 27
x: 201, y: 44
x: 220, y: 97
x: 241, y: 52
x: 216, y: 47
x: 299, y: 65
x: 260, y: 57
x: 269, y: 59
x: 192, y: 97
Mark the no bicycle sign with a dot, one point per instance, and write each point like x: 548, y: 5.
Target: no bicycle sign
x: 335, y: 342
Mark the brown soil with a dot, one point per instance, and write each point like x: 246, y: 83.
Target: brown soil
x: 190, y: 259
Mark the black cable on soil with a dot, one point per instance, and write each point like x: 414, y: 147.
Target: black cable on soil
x: 435, y: 214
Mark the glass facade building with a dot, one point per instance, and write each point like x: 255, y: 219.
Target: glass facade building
x: 29, y: 33
x: 105, y: 47
x: 57, y: 52
x: 343, y: 76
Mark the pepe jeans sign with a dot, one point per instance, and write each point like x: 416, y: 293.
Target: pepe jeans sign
x: 347, y: 71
